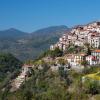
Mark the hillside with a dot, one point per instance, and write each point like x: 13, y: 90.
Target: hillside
x: 8, y: 65
x: 55, y: 75
x: 29, y: 46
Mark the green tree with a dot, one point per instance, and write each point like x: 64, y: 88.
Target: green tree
x: 84, y: 63
x: 62, y: 61
x: 56, y: 53
x: 92, y: 87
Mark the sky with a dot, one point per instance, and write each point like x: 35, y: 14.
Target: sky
x: 30, y: 15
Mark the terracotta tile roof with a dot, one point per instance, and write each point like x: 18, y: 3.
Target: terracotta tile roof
x: 27, y: 65
x: 97, y: 50
x: 95, y: 34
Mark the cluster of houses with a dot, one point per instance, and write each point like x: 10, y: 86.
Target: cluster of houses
x: 77, y: 59
x: 79, y: 36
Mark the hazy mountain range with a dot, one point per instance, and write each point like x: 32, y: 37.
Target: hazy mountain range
x: 30, y: 45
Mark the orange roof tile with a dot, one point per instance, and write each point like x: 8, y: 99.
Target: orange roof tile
x: 97, y: 50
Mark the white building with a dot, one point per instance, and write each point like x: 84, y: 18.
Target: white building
x: 92, y: 60
x: 95, y: 41
x: 78, y: 43
x: 52, y: 47
x: 75, y: 59
x: 97, y: 54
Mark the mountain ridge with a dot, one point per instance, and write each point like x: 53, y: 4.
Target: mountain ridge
x: 11, y: 33
x: 29, y: 46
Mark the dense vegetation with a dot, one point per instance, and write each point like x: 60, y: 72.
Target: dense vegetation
x: 52, y: 53
x: 9, y: 68
x: 45, y: 84
x: 74, y: 49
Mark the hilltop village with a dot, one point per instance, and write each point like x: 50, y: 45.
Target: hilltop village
x: 69, y: 70
x: 74, y: 50
x: 84, y: 36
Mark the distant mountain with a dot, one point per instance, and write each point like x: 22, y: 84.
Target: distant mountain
x: 29, y: 46
x: 12, y: 33
x: 51, y: 30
